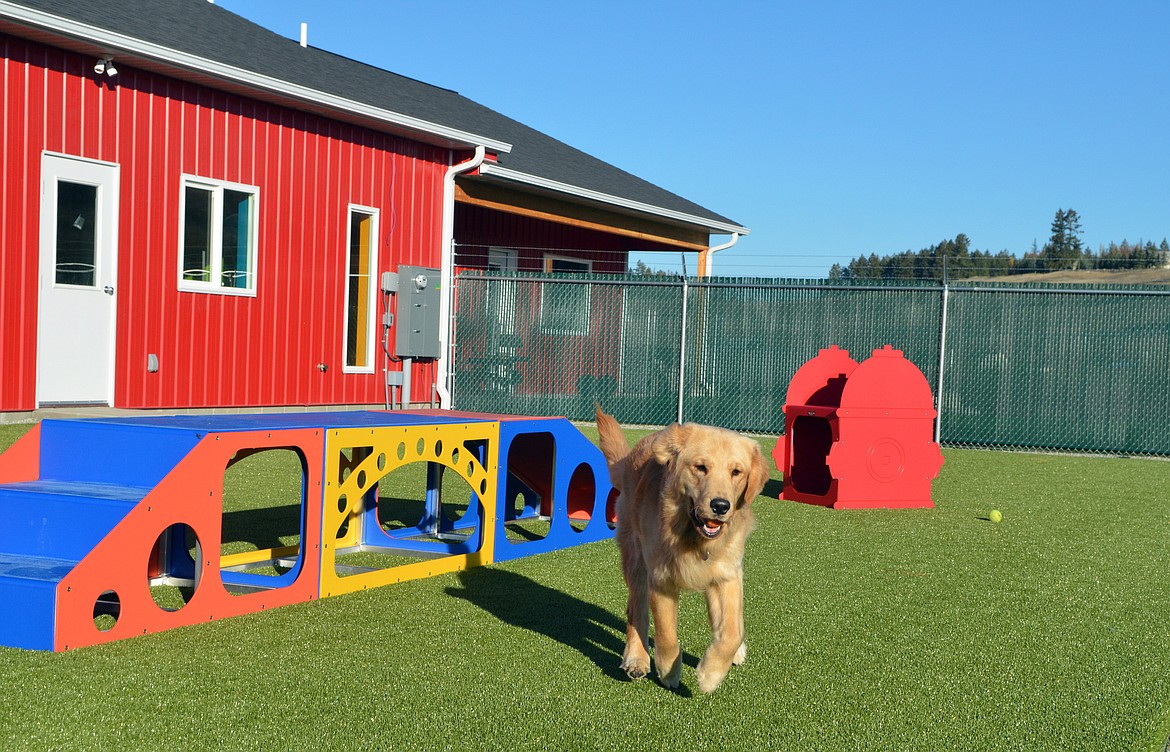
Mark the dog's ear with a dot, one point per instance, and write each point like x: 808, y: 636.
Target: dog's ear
x: 667, y: 444
x: 757, y: 475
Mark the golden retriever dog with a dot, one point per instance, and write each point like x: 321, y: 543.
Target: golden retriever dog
x: 683, y: 516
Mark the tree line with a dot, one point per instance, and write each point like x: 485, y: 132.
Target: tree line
x: 955, y: 259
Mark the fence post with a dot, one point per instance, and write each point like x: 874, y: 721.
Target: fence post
x: 942, y: 359
x: 682, y: 351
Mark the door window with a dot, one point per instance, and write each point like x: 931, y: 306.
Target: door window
x: 76, y: 247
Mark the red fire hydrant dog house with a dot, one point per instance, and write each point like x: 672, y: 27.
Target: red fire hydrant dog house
x: 859, y: 436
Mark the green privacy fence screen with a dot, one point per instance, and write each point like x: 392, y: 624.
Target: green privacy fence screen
x: 1067, y: 367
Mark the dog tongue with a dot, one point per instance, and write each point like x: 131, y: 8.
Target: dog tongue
x: 712, y: 525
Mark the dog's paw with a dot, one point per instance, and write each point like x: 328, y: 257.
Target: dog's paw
x: 740, y: 655
x: 636, y: 668
x: 669, y: 676
x: 709, y: 680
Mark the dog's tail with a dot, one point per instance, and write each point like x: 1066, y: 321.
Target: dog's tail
x: 613, y: 441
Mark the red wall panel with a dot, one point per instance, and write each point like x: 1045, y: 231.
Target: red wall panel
x: 214, y: 350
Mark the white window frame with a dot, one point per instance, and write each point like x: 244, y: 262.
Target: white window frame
x: 371, y: 294
x: 216, y: 188
x: 554, y: 327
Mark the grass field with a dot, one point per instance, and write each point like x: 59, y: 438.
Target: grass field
x: 874, y: 630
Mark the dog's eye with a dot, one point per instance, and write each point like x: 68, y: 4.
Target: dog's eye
x: 701, y: 469
x: 736, y: 472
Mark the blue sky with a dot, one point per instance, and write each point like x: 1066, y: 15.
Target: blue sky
x: 830, y: 129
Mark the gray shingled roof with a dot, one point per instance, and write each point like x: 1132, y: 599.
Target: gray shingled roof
x: 201, y: 29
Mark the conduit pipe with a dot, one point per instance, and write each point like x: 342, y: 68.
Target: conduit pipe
x: 447, y: 275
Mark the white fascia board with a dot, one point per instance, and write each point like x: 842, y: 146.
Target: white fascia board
x: 548, y: 184
x: 120, y: 42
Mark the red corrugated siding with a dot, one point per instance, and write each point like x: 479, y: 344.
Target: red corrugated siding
x: 213, y: 350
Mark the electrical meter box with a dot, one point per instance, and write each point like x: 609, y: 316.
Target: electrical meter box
x: 418, y: 313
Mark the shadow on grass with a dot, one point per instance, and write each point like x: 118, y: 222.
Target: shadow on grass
x: 585, y: 627
x: 514, y: 599
x: 773, y: 488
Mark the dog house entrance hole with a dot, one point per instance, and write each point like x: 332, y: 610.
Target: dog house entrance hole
x: 812, y: 438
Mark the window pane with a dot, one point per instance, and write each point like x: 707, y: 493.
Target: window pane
x: 564, y: 306
x: 76, y: 234
x: 237, y: 236
x: 357, y: 322
x: 197, y: 235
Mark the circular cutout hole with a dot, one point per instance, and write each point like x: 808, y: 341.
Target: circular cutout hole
x: 361, y: 479
x: 382, y: 461
x: 106, y: 610
x: 401, y: 451
x: 421, y: 447
x: 342, y: 503
x: 439, y: 448
x: 582, y: 491
x: 483, y: 487
x: 470, y: 469
x: 455, y: 456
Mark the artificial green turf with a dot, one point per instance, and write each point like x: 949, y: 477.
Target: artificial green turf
x: 870, y: 630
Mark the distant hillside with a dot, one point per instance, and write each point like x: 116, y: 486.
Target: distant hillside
x: 1087, y: 277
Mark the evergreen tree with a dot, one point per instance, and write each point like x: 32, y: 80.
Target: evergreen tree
x: 1063, y: 249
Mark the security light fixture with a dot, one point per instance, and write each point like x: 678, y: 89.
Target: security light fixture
x: 105, y: 65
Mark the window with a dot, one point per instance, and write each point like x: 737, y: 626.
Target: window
x: 77, y: 242
x: 217, y: 239
x: 564, y: 306
x: 360, y: 290
x: 502, y: 295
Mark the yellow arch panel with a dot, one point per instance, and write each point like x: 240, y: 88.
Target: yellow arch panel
x: 356, y: 459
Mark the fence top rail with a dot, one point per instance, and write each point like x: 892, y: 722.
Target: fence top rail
x: 679, y: 280
x: 812, y: 284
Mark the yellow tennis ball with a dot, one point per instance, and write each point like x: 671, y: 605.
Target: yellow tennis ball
x: 995, y: 516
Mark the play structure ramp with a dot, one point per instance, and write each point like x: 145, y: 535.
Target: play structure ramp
x: 63, y: 488
x: 111, y: 528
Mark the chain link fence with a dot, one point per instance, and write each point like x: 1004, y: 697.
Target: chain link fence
x: 1023, y: 366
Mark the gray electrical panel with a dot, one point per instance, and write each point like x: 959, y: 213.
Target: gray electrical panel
x: 418, y: 313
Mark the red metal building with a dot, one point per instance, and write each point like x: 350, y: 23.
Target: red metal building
x: 195, y: 212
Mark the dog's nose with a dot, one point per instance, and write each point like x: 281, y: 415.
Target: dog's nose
x: 720, y: 506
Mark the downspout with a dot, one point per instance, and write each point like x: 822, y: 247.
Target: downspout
x: 704, y: 271
x: 705, y: 256
x: 447, y: 275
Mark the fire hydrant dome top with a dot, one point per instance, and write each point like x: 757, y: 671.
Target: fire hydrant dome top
x: 887, y: 380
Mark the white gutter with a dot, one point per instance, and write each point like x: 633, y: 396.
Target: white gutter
x: 447, y: 275
x: 705, y: 257
x: 121, y: 44
x: 536, y: 181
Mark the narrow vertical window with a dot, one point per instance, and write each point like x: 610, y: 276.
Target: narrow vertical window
x: 360, y: 290
x: 217, y: 241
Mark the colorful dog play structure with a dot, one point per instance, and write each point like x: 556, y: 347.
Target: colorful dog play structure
x: 98, y: 516
x: 859, y: 436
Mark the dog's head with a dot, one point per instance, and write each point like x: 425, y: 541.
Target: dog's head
x: 715, y: 471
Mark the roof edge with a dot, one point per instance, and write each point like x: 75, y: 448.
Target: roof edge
x: 131, y: 45
x: 718, y: 227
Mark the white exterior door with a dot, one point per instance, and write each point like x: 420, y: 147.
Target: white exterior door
x: 78, y: 270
